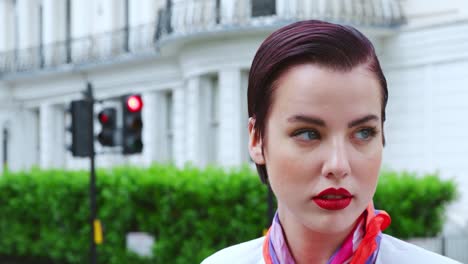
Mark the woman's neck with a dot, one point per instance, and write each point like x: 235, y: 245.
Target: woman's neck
x: 309, y: 246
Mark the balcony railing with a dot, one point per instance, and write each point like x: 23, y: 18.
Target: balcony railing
x: 89, y: 49
x: 188, y: 17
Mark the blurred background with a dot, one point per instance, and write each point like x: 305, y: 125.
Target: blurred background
x: 189, y: 61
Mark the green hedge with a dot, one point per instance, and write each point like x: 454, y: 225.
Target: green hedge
x: 417, y: 205
x: 190, y: 212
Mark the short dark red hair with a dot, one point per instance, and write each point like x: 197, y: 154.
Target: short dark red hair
x: 334, y: 46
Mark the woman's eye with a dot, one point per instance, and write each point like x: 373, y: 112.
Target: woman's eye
x: 307, y: 135
x: 365, y: 134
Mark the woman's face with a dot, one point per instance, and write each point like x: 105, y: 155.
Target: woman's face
x: 322, y: 146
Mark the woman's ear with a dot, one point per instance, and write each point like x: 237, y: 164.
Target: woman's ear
x: 255, y: 144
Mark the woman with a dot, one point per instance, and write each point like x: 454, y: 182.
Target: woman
x: 316, y: 99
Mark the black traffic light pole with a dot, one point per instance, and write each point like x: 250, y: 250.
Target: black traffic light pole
x: 82, y: 129
x: 92, y: 183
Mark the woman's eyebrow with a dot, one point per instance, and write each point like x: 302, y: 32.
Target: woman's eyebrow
x: 307, y: 119
x: 319, y: 122
x: 362, y: 120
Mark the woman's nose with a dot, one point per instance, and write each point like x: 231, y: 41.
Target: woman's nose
x: 336, y: 160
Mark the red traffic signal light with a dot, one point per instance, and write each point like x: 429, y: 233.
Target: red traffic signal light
x: 103, y: 118
x: 132, y: 124
x: 134, y: 103
x: 107, y: 118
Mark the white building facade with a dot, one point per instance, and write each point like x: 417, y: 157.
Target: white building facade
x: 190, y: 60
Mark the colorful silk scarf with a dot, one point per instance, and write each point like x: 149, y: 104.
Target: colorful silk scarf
x: 361, y: 246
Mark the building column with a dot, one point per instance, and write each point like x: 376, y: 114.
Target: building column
x: 230, y: 126
x: 179, y: 126
x: 28, y: 16
x: 26, y: 151
x: 52, y: 135
x: 81, y: 26
x: 6, y: 25
x: 54, y: 21
x: 165, y: 125
x: 192, y: 148
x: 45, y: 136
x: 82, y: 18
x: 54, y: 27
x: 101, y: 16
x: 151, y: 131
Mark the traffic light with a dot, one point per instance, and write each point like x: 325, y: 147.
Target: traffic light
x: 81, y: 122
x: 132, y: 124
x: 107, y: 135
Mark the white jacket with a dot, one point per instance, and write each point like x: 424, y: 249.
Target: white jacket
x: 392, y: 250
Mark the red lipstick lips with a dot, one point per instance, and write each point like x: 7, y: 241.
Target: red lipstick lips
x: 333, y: 199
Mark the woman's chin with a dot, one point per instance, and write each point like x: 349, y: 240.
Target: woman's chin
x: 330, y: 224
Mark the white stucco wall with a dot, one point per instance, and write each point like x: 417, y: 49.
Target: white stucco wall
x: 427, y: 109
x: 424, y: 61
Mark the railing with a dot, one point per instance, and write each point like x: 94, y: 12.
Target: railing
x: 188, y: 17
x: 93, y: 48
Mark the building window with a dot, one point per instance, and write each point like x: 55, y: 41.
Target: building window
x: 263, y: 8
